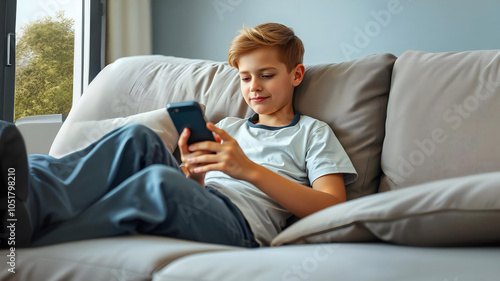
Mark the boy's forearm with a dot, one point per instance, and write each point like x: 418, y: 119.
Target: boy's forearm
x: 296, y: 198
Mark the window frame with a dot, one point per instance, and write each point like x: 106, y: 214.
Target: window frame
x: 7, y: 59
x: 90, y: 39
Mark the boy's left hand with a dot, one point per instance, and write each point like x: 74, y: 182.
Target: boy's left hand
x: 227, y: 157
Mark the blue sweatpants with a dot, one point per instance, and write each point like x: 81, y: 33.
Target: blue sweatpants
x: 127, y: 183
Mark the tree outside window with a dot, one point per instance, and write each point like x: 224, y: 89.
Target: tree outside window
x: 44, y: 67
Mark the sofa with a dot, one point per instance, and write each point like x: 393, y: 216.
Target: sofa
x: 421, y: 129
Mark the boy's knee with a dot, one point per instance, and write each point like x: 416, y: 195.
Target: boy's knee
x: 137, y: 129
x: 140, y: 132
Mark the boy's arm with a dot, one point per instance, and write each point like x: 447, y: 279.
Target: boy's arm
x: 300, y: 200
x: 296, y: 198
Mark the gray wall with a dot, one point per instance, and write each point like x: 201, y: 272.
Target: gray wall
x: 332, y: 31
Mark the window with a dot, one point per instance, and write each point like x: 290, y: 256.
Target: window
x: 56, y: 49
x: 45, y: 37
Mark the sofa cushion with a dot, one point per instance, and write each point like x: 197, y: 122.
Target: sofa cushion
x: 352, y: 98
x: 120, y: 258
x: 442, y: 117
x: 78, y: 135
x: 454, y: 212
x: 338, y: 262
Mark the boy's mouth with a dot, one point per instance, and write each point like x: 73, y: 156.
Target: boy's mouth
x: 259, y: 99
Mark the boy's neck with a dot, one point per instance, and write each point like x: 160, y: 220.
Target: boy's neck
x: 278, y: 120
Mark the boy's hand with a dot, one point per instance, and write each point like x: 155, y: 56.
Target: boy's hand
x: 187, y: 154
x: 225, y: 155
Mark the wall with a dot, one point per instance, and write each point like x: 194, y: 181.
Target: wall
x: 332, y: 30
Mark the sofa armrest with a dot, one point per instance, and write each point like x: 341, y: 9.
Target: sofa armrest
x: 39, y: 131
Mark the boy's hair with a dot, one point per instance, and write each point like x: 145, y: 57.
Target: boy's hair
x: 289, y: 46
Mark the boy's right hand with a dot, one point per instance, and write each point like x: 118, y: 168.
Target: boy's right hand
x: 186, y: 154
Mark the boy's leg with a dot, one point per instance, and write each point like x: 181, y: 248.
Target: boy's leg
x: 60, y: 189
x: 158, y: 200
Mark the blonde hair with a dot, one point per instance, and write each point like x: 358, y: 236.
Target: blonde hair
x: 289, y: 46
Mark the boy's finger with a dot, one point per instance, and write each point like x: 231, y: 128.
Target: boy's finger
x: 183, y: 141
x: 222, y: 134
x: 203, y: 159
x: 207, y: 146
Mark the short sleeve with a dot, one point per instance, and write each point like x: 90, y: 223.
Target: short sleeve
x: 325, y: 155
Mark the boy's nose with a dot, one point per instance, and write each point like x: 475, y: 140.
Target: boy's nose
x: 255, y: 87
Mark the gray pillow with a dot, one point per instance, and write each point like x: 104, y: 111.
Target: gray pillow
x: 352, y: 98
x: 442, y: 117
x: 454, y: 212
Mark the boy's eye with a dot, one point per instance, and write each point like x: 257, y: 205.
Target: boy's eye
x: 245, y: 79
x: 267, y: 76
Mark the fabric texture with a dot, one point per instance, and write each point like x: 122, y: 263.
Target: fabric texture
x: 462, y: 211
x: 442, y: 117
x: 86, y: 132
x: 339, y: 261
x: 125, y: 258
x: 301, y: 152
x: 127, y: 183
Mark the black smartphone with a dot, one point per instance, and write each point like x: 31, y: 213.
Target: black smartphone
x: 189, y: 115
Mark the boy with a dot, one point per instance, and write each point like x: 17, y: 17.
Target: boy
x: 256, y: 176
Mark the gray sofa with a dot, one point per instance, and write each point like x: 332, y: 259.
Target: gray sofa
x: 422, y: 131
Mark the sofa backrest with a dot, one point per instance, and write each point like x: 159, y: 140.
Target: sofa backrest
x: 350, y: 96
x: 442, y: 118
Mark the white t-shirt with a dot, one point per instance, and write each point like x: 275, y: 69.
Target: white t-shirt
x: 302, y: 151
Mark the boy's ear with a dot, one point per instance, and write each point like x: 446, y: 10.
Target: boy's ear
x: 298, y: 74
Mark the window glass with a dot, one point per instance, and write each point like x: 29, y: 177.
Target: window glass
x: 45, y: 36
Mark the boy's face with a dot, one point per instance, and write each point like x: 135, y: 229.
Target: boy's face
x: 266, y: 84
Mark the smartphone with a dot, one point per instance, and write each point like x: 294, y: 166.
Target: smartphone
x: 189, y: 115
